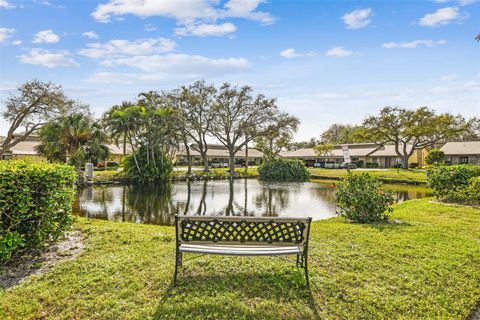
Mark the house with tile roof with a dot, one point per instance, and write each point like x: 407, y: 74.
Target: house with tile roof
x: 462, y: 152
x: 372, y: 155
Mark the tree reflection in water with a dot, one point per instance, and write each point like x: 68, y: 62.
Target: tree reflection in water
x: 158, y: 204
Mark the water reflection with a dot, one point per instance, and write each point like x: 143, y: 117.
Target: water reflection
x: 158, y: 204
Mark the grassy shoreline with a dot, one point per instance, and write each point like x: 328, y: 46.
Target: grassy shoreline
x: 413, y: 177
x: 423, y: 267
x: 385, y: 175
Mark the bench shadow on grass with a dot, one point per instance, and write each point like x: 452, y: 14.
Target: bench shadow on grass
x: 242, y: 295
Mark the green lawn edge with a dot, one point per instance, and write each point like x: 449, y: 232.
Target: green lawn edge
x: 423, y: 266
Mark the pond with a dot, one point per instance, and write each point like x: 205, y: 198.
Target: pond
x: 158, y: 204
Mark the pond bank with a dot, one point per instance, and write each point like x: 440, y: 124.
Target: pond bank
x: 392, y: 176
x: 119, y: 178
x: 425, y: 267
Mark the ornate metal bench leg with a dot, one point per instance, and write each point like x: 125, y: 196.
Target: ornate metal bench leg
x: 298, y: 260
x: 305, y: 265
x: 176, y: 271
x: 178, y: 263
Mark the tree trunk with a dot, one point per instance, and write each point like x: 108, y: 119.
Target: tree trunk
x: 246, y: 157
x: 1, y: 153
x: 124, y: 145
x: 232, y: 162
x: 189, y: 158
x: 405, y: 161
x: 205, y: 161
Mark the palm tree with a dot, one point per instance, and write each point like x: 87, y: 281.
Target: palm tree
x: 74, y: 139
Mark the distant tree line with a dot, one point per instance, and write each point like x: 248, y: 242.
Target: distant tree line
x: 152, y: 128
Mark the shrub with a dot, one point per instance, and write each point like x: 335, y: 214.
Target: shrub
x: 413, y: 165
x: 35, y: 204
x: 283, y: 169
x: 360, y: 199
x: 152, y: 169
x: 360, y: 163
x: 455, y: 183
x: 372, y: 165
x: 434, y: 156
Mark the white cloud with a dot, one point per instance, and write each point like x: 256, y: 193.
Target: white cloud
x: 203, y: 30
x: 17, y: 42
x: 413, y: 44
x: 338, y: 52
x: 449, y: 77
x: 118, y: 48
x: 171, y: 67
x: 440, y: 17
x: 292, y: 53
x: 46, y: 36
x: 186, y: 12
x: 90, y: 35
x: 180, y: 63
x: 6, y: 5
x: 6, y: 33
x: 246, y: 9
x: 459, y: 2
x: 150, y: 27
x: 358, y: 19
x: 49, y: 59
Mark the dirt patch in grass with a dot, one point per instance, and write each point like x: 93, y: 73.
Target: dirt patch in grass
x: 36, y: 262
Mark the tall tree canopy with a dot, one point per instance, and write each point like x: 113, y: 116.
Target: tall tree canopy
x: 33, y: 106
x: 195, y: 103
x: 410, y: 130
x: 279, y: 136
x: 149, y: 128
x: 239, y: 117
x: 341, y: 133
x: 75, y: 138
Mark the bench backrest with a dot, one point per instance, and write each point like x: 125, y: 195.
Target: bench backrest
x: 246, y: 230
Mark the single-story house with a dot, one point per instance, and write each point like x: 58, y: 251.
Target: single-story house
x: 371, y: 154
x: 26, y: 150
x: 462, y: 152
x: 219, y: 154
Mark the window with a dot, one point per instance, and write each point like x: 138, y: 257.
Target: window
x: 463, y: 160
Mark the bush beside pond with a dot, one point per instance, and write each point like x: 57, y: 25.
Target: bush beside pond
x: 460, y: 183
x: 360, y: 199
x: 283, y: 169
x: 35, y: 204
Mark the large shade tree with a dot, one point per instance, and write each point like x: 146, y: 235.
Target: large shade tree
x: 239, y: 117
x: 339, y: 133
x: 410, y: 130
x: 34, y: 105
x: 195, y: 104
x: 279, y: 136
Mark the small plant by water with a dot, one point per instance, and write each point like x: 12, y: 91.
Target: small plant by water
x: 359, y: 199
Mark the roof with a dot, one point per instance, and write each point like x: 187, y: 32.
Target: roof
x: 355, y: 150
x: 218, y: 152
x: 461, y: 148
x: 26, y: 147
x: 385, y: 151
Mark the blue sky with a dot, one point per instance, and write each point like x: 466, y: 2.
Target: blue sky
x: 325, y: 61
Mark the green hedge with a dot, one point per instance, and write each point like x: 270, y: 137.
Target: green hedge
x: 458, y: 183
x: 283, y: 169
x: 35, y: 204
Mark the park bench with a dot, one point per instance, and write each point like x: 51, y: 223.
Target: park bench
x: 242, y: 236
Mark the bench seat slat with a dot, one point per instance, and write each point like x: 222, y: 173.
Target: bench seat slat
x: 240, y: 250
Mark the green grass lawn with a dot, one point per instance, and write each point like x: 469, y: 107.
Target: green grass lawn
x: 424, y: 267
x: 392, y: 175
